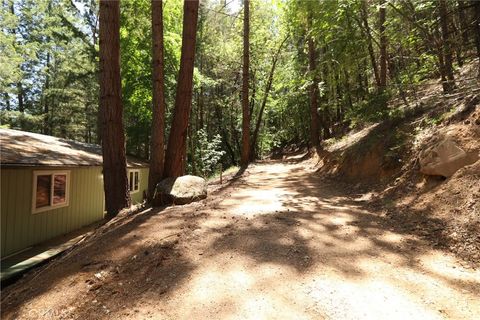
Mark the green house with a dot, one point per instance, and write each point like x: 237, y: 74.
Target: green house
x: 51, y: 186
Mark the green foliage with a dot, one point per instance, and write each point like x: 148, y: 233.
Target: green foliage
x: 372, y: 109
x: 50, y: 63
x: 17, y: 120
x: 136, y: 66
x: 50, y: 60
x: 208, y: 153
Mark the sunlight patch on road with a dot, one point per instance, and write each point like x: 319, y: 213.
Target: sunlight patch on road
x: 390, y: 237
x: 213, y: 285
x: 365, y: 300
x: 261, y: 306
x: 341, y: 218
x: 446, y: 272
x: 259, y: 202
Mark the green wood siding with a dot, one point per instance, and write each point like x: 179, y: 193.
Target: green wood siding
x: 21, y: 229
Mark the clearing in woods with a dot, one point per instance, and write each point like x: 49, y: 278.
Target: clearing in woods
x: 277, y: 243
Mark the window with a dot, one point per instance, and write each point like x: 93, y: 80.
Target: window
x: 133, y: 180
x: 50, y: 190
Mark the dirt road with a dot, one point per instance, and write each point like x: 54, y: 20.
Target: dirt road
x: 278, y: 243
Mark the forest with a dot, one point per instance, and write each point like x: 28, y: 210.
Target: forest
x: 320, y: 104
x: 316, y: 70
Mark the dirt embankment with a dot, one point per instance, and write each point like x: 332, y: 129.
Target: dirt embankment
x: 381, y: 163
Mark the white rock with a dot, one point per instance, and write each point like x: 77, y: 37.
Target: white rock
x: 443, y: 158
x: 181, y: 190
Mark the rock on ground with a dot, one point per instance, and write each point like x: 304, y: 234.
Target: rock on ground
x: 181, y: 190
x: 444, y: 159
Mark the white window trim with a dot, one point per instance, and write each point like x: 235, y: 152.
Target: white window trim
x: 128, y: 178
x: 51, y: 206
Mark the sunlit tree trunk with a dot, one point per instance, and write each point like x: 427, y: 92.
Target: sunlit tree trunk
x: 368, y: 33
x: 262, y: 108
x: 383, y: 46
x: 245, y: 107
x: 46, y: 105
x: 157, y: 147
x: 314, y: 118
x: 177, y: 142
x: 117, y: 195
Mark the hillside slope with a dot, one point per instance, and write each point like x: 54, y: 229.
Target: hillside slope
x: 381, y: 163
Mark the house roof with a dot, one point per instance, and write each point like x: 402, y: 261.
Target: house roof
x: 21, y: 148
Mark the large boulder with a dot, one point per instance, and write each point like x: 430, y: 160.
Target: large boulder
x: 181, y: 190
x: 443, y: 158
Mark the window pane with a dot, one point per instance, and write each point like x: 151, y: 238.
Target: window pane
x: 136, y: 181
x: 59, y: 188
x: 130, y: 181
x: 44, y: 183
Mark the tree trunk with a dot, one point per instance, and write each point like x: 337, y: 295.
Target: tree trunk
x: 347, y: 90
x: 245, y: 107
x: 477, y: 33
x: 21, y: 105
x: 456, y: 43
x: 224, y: 133
x: 157, y: 143
x: 88, y: 132
x: 441, y: 67
x: 434, y: 41
x: 201, y: 53
x: 253, y: 98
x: 383, y: 46
x: 7, y: 101
x: 326, y: 124
x: 368, y: 32
x: 253, y: 153
x: 177, y: 142
x: 463, y: 19
x: 46, y: 106
x: 117, y: 194
x: 314, y: 119
x: 449, y: 85
x: 191, y: 143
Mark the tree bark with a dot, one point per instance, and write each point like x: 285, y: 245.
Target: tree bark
x: 260, y: 112
x: 314, y: 118
x: 46, y: 106
x: 157, y: 143
x: 383, y: 46
x: 117, y: 194
x: 253, y: 97
x: 463, y: 20
x: 368, y: 33
x: 477, y: 32
x: 177, y: 142
x: 448, y: 85
x: 245, y: 158
x: 253, y: 153
x: 7, y: 101
x: 88, y: 132
x: 21, y: 105
x: 224, y: 133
